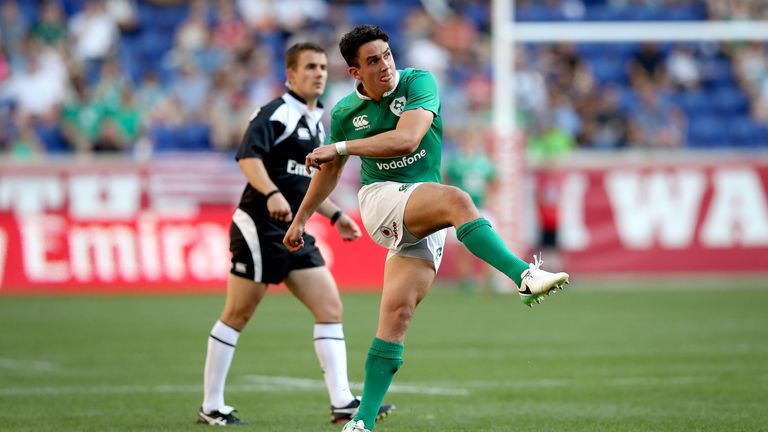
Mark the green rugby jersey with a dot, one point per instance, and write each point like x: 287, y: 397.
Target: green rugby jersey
x: 357, y: 116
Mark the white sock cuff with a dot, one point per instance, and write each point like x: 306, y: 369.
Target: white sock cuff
x: 225, y: 334
x: 329, y: 331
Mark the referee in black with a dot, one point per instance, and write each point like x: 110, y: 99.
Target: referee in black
x: 279, y: 136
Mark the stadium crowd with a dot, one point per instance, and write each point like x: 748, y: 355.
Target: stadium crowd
x: 138, y: 77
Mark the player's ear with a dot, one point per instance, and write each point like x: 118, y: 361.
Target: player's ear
x: 354, y: 72
x: 290, y: 75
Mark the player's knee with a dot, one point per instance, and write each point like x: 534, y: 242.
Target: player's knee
x: 402, y: 314
x: 330, y: 312
x: 237, y: 319
x: 460, y: 201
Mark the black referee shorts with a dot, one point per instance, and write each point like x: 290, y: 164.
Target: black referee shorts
x: 258, y: 252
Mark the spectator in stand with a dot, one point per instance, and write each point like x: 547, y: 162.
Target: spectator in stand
x: 108, y: 91
x: 568, y: 72
x: 737, y: 10
x: 530, y: 87
x: 760, y: 105
x: 94, y: 34
x: 229, y: 30
x: 25, y: 144
x: 110, y: 139
x: 683, y: 68
x: 210, y: 57
x: 51, y: 27
x: 127, y: 117
x: 458, y: 35
x: 150, y: 95
x: 646, y: 65
x: 190, y: 88
x: 423, y: 52
x: 605, y: 127
x: 656, y: 124
x: 293, y: 16
x: 262, y: 85
x: 548, y: 141
x: 479, y: 89
x: 40, y: 87
x: 13, y: 31
x: 564, y: 113
x: 750, y: 64
x: 258, y: 15
x: 80, y: 117
x: 191, y: 35
x: 125, y: 13
x: 229, y: 111
x: 195, y: 42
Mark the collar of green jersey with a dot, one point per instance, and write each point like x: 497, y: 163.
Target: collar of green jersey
x: 364, y: 97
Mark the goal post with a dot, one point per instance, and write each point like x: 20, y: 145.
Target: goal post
x: 509, y: 146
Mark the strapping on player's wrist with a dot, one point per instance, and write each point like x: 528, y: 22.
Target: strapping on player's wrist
x: 341, y: 148
x: 269, y: 195
x: 336, y: 216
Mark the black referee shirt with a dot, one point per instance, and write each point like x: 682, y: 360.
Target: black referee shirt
x: 281, y: 134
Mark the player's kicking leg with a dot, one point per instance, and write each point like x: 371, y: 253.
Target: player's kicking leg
x: 433, y: 205
x: 537, y: 283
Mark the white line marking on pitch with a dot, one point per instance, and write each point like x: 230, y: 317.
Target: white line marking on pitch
x: 304, y: 383
x: 35, y: 366
x: 279, y: 384
x: 254, y: 384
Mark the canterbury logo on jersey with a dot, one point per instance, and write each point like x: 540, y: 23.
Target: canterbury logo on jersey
x: 360, y: 122
x: 297, y: 168
x: 402, y: 162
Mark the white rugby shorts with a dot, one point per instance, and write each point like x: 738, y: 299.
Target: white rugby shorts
x: 382, y: 208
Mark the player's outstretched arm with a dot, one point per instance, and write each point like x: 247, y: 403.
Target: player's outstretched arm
x: 322, y: 184
x: 402, y: 140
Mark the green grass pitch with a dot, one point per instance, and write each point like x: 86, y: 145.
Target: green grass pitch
x: 682, y: 356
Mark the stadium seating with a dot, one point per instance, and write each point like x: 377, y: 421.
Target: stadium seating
x: 145, y: 49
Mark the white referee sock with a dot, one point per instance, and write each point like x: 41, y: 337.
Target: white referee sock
x: 221, y: 349
x: 331, y: 351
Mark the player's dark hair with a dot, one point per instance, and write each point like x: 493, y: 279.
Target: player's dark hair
x: 293, y: 53
x: 358, y: 37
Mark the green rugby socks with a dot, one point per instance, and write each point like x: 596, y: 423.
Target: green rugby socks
x: 485, y: 243
x: 384, y: 359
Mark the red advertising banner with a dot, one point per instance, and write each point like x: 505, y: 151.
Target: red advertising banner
x: 682, y: 216
x: 126, y: 227
x: 163, y: 226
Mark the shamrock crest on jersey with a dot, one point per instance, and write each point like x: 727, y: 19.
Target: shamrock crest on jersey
x: 398, y: 105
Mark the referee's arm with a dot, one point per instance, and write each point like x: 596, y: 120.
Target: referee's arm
x: 254, y: 170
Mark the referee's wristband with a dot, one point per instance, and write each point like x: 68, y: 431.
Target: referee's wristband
x: 341, y: 148
x: 269, y: 195
x: 336, y: 216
